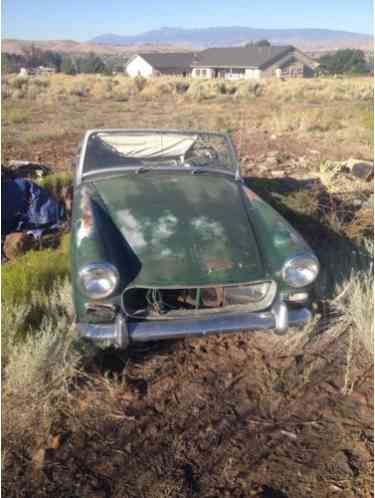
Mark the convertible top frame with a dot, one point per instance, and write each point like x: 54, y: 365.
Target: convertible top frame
x: 80, y: 175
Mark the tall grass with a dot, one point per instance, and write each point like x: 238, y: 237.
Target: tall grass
x: 37, y: 375
x: 120, y: 88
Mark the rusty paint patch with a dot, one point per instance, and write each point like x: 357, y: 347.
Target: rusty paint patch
x: 86, y: 222
x: 250, y: 194
x: 219, y: 265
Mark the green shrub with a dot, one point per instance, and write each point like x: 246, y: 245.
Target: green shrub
x: 35, y: 271
x: 182, y: 86
x: 19, y: 82
x: 41, y: 82
x: 140, y: 82
x: 16, y: 116
x: 56, y: 183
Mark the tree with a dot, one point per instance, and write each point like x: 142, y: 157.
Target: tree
x: 344, y: 61
x: 52, y: 59
x: 371, y: 62
x: 259, y: 43
x: 263, y: 43
x: 35, y: 57
x: 91, y: 64
x: 11, y: 63
x: 68, y: 66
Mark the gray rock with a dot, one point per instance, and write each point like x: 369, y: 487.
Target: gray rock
x: 357, y: 203
x: 363, y: 170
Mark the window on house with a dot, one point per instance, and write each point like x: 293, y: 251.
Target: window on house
x: 204, y: 73
x: 198, y: 72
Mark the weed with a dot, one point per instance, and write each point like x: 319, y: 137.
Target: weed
x: 355, y: 302
x: 34, y: 271
x: 56, y: 183
x: 38, y: 372
x: 16, y: 116
x: 140, y: 83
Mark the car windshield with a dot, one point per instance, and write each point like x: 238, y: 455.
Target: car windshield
x: 113, y: 149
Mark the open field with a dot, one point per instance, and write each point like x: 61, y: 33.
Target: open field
x: 45, y: 118
x: 255, y: 415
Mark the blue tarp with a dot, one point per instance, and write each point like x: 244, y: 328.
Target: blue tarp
x: 26, y: 206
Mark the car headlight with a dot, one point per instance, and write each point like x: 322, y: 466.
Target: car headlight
x: 301, y: 270
x: 98, y: 280
x: 246, y: 294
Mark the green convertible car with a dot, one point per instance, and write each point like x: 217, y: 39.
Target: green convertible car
x: 168, y: 242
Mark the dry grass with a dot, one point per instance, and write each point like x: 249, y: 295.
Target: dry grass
x: 106, y: 87
x: 355, y: 302
x: 37, y: 373
x: 278, y: 108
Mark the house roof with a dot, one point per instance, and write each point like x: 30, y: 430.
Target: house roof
x: 240, y: 56
x: 169, y: 60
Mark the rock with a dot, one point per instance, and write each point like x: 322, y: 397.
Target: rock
x: 363, y: 170
x: 278, y: 173
x: 16, y: 244
x: 290, y: 435
x: 334, y: 488
x: 357, y: 203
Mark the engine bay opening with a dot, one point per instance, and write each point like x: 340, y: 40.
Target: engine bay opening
x: 164, y: 303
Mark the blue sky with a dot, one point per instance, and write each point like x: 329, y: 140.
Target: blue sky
x: 83, y: 19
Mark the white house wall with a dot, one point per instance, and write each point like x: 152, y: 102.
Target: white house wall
x: 253, y: 74
x: 228, y: 74
x: 198, y: 72
x: 139, y: 67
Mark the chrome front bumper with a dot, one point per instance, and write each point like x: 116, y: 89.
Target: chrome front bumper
x: 122, y: 332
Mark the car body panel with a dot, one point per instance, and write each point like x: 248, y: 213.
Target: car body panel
x: 179, y: 229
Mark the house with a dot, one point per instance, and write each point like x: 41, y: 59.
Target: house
x: 40, y: 70
x: 156, y: 64
x: 249, y: 62
x: 252, y: 62
x: 45, y: 70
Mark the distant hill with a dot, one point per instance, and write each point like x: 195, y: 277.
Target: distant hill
x: 14, y: 46
x: 307, y: 39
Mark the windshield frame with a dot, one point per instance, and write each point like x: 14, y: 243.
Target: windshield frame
x: 80, y: 175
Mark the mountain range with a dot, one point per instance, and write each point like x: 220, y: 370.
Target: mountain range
x: 312, y: 39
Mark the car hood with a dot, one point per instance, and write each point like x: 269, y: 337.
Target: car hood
x: 184, y: 229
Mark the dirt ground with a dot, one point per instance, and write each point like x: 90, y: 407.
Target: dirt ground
x: 248, y: 415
